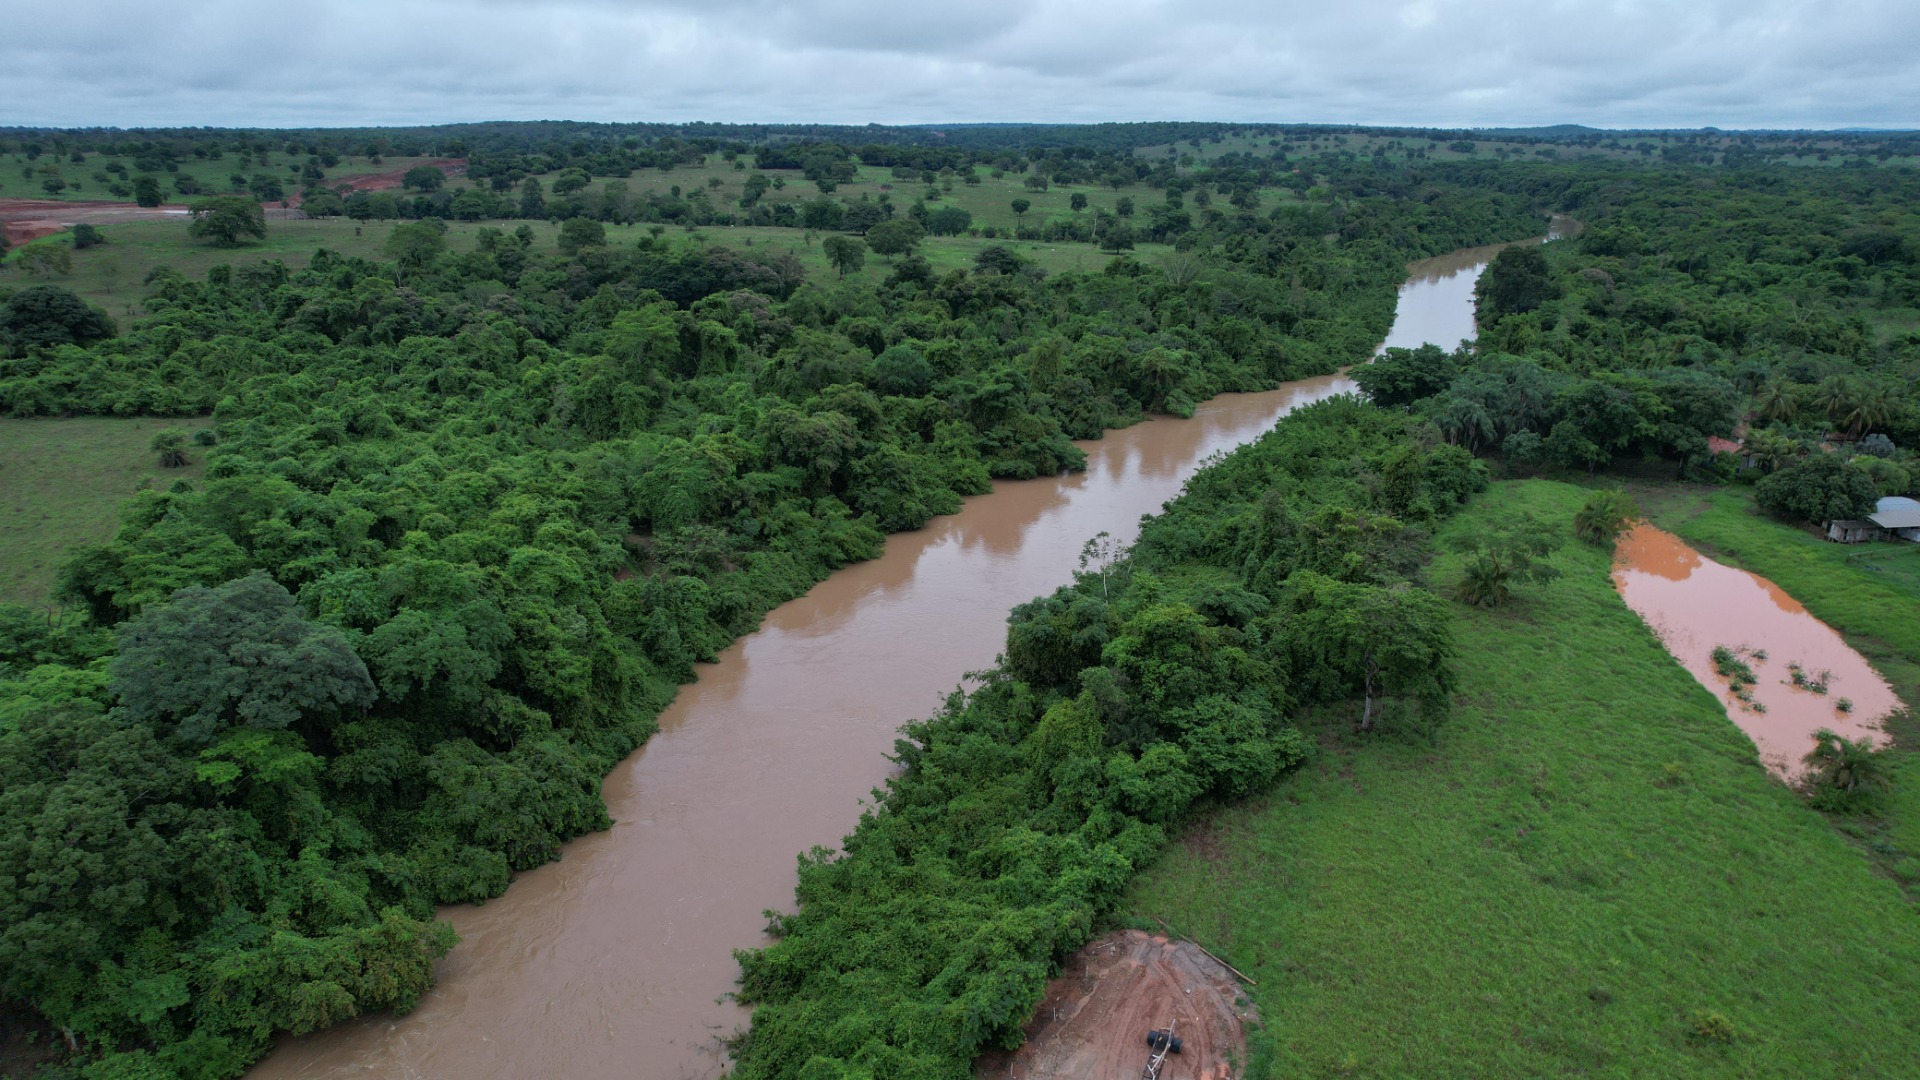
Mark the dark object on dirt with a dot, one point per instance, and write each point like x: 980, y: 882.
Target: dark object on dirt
x: 1157, y: 1039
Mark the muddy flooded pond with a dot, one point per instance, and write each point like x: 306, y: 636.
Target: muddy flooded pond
x: 1723, y: 624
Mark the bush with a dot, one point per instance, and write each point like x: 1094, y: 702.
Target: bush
x: 1820, y: 489
x: 1603, y: 517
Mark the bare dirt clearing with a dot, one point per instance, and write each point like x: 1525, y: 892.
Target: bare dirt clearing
x: 31, y: 219
x: 1093, y: 1023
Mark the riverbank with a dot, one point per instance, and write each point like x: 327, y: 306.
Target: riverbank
x: 1588, y: 872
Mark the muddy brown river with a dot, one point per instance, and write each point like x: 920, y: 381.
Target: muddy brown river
x: 612, y: 962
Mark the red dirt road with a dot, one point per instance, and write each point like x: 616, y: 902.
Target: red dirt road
x: 1093, y: 1023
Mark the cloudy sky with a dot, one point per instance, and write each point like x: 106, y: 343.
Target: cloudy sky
x: 1685, y: 63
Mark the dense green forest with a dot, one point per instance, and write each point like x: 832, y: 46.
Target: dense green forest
x: 1782, y: 309
x: 466, y: 521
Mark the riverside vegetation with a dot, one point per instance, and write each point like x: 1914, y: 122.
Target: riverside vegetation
x: 466, y: 520
x: 471, y: 514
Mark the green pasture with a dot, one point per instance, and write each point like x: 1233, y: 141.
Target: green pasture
x: 62, y: 483
x: 22, y: 179
x: 1587, y: 873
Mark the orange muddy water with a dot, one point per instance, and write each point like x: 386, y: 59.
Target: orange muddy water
x: 1695, y: 605
x: 611, y: 962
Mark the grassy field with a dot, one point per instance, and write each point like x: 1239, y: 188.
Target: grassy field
x: 1589, y: 874
x: 214, y: 176
x: 62, y: 483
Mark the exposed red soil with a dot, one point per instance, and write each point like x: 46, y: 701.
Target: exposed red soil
x: 1093, y: 1023
x: 391, y: 179
x: 31, y: 219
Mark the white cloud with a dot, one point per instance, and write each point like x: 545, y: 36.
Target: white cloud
x: 1730, y: 63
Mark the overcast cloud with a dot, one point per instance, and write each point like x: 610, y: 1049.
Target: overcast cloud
x: 1685, y: 63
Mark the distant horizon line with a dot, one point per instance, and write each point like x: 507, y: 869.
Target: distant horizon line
x: 1563, y: 126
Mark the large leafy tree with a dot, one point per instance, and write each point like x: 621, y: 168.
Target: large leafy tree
x: 227, y: 221
x: 1371, y: 641
x: 1820, y: 489
x: 1517, y: 281
x: 49, y: 315
x: 238, y: 654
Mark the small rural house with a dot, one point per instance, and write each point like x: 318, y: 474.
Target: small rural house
x: 1852, y: 531
x: 1899, y: 516
x: 1893, y: 516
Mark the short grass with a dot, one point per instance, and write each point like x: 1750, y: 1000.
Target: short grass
x: 1586, y: 866
x: 62, y: 483
x: 113, y: 275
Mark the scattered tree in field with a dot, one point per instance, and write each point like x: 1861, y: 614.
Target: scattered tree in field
x: 896, y: 237
x: 999, y: 259
x: 533, y: 202
x: 1117, y: 238
x: 1373, y: 640
x: 171, y: 444
x: 580, y: 233
x: 845, y: 253
x: 1077, y: 201
x: 228, y: 220
x: 1020, y: 208
x: 1124, y: 206
x: 424, y: 178
x: 86, y: 236
x: 146, y: 191
x: 415, y: 245
x: 1603, y: 517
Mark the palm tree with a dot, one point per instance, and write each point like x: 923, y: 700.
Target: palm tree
x: 1837, y: 395
x: 1486, y: 582
x: 1841, y: 771
x: 1603, y: 517
x: 1465, y: 421
x: 1770, y: 449
x: 1872, y: 407
x: 1775, y: 401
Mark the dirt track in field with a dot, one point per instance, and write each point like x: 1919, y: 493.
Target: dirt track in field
x: 1093, y: 1023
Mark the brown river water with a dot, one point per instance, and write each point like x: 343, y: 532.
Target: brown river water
x: 1695, y: 605
x: 613, y: 962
